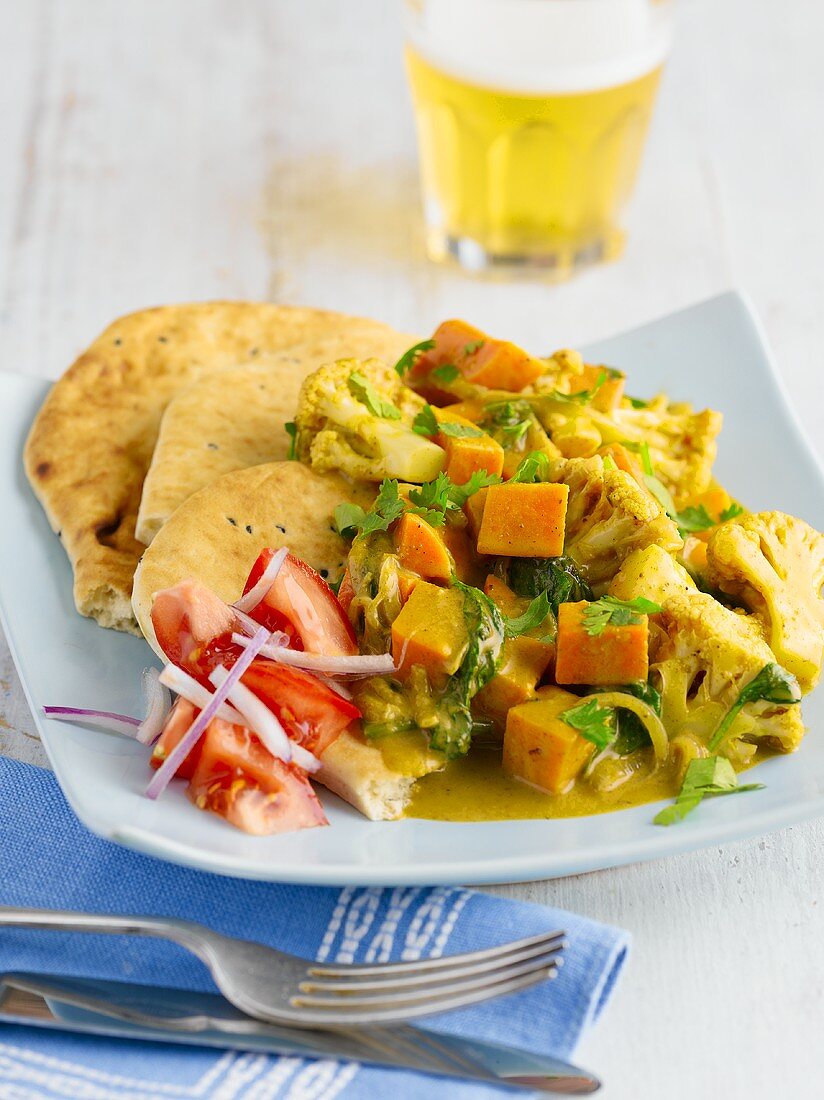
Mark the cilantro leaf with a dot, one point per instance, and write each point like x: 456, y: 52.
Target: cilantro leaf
x: 734, y: 510
x: 773, y: 684
x: 348, y: 519
x: 611, y: 611
x: 534, y: 616
x: 473, y: 346
x: 582, y: 397
x: 433, y: 500
x: 407, y: 360
x: 459, y: 431
x: 425, y: 423
x: 362, y: 390
x: 638, y: 403
x: 446, y: 374
x: 593, y: 721
x: 291, y: 429
x: 534, y: 467
x: 695, y: 519
x: 508, y: 421
x: 478, y: 479
x: 707, y: 777
x: 351, y: 520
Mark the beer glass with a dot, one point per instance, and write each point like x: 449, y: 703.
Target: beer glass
x: 531, y: 119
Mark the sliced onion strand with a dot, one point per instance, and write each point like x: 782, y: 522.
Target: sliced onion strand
x: 187, y: 686
x: 362, y: 664
x: 158, y: 700
x: 260, y: 590
x: 168, y: 768
x: 106, y: 720
x: 257, y: 716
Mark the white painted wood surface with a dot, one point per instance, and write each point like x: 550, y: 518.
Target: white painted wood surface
x: 184, y: 149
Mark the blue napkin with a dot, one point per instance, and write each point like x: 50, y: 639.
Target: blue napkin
x: 48, y: 859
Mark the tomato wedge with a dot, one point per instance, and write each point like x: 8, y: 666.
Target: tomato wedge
x: 312, y: 713
x: 194, y: 628
x: 302, y: 603
x: 180, y: 718
x: 240, y: 780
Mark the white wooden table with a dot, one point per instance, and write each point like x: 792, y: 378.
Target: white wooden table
x: 185, y: 149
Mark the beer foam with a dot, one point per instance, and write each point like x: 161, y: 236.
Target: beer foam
x: 539, y: 47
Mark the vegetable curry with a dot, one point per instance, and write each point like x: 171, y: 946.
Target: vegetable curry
x: 580, y: 618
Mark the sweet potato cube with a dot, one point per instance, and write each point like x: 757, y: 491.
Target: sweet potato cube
x: 715, y: 500
x: 465, y: 455
x: 430, y: 631
x: 474, y: 511
x: 480, y: 358
x: 618, y: 655
x: 540, y: 748
x: 471, y: 410
x: 406, y: 582
x: 609, y: 393
x: 503, y: 597
x: 524, y: 521
x: 460, y: 546
x: 524, y: 661
x: 421, y: 549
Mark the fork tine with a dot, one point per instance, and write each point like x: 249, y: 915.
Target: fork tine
x: 493, y: 965
x: 351, y: 996
x: 429, y: 1007
x: 400, y: 969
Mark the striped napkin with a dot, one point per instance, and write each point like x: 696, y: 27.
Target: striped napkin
x: 48, y: 859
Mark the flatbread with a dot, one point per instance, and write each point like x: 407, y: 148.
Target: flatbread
x: 231, y: 419
x: 92, y: 441
x: 216, y: 535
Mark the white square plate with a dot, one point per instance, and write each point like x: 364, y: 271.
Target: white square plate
x: 711, y: 354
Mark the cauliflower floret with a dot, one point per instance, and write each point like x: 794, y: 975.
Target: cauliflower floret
x: 774, y: 564
x: 652, y: 574
x: 682, y: 443
x: 707, y: 654
x: 338, y: 427
x: 608, y: 516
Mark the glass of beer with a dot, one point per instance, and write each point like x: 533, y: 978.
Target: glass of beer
x: 531, y: 119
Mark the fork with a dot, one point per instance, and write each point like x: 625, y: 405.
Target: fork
x: 285, y: 989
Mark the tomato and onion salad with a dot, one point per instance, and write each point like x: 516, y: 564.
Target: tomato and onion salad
x: 257, y: 701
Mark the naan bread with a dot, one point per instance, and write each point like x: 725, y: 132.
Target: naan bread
x: 231, y: 419
x: 91, y: 444
x: 216, y: 535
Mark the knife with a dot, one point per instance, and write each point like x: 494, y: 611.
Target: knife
x: 131, y: 1011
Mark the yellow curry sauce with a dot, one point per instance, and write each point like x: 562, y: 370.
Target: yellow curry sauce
x: 475, y: 788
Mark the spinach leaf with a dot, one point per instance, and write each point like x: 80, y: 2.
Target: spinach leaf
x: 560, y: 578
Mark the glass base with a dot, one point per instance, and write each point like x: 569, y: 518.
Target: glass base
x: 555, y: 263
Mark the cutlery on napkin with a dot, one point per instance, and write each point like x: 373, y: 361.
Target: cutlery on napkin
x: 48, y: 859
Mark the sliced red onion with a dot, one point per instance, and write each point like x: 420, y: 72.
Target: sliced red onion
x: 255, y: 594
x: 188, y: 687
x: 158, y: 701
x: 249, y: 626
x: 257, y: 716
x: 99, y: 719
x: 168, y: 768
x: 266, y: 724
x: 362, y: 664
